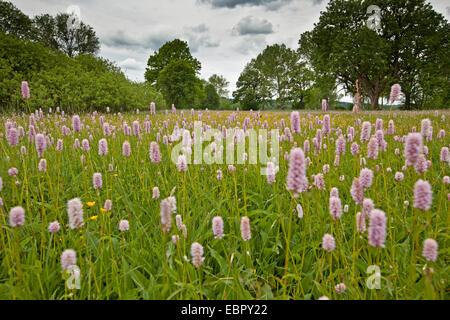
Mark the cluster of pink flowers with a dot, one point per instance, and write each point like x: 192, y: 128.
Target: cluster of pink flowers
x: 296, y: 177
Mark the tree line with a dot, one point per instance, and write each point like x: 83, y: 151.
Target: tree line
x: 57, y: 56
x: 58, y: 61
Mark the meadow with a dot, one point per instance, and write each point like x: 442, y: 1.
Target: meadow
x: 344, y: 215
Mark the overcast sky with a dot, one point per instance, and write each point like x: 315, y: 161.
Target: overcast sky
x: 222, y: 34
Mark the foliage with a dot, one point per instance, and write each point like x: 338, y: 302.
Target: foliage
x: 410, y: 48
x: 179, y: 85
x: 171, y: 51
x: 276, y: 72
x: 212, y: 99
x: 62, y: 32
x: 80, y: 83
x: 76, y: 39
x: 220, y: 83
x: 252, y: 88
x: 15, y: 22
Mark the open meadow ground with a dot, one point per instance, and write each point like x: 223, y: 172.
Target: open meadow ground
x: 155, y: 206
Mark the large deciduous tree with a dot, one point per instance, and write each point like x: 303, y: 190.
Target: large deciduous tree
x: 276, y: 63
x: 15, y: 22
x: 252, y: 87
x: 75, y: 38
x: 59, y: 32
x: 276, y: 72
x: 220, y: 84
x: 179, y: 84
x: 171, y: 51
x: 45, y: 25
x: 411, y: 42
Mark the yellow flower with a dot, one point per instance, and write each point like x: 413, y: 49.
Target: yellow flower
x: 93, y: 218
x: 115, y: 174
x: 103, y: 210
x: 90, y: 204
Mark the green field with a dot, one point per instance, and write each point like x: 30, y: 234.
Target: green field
x: 283, y: 259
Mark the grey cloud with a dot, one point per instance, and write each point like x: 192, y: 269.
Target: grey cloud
x: 448, y: 10
x: 252, y: 25
x: 200, y: 28
x: 195, y: 43
x: 230, y: 4
x: 316, y: 2
x: 150, y: 41
x: 251, y: 45
x: 198, y: 37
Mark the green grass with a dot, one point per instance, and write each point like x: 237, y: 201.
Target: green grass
x: 143, y: 263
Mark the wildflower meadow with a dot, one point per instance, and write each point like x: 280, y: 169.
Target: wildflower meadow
x: 198, y: 204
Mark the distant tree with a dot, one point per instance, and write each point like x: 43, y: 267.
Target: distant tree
x: 15, y: 22
x: 253, y: 89
x: 55, y: 32
x: 45, y: 26
x: 276, y: 72
x: 220, y: 84
x: 179, y: 84
x: 75, y: 38
x: 75, y: 84
x: 322, y: 88
x: 171, y: 51
x: 301, y: 80
x: 413, y: 40
x: 212, y: 99
x: 276, y: 63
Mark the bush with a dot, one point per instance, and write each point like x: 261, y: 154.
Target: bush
x: 83, y: 83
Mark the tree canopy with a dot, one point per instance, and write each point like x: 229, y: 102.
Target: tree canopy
x: 171, y: 51
x: 55, y: 32
x: 410, y: 48
x: 15, y: 22
x: 220, y: 84
x: 179, y: 84
x: 212, y: 99
x: 278, y: 73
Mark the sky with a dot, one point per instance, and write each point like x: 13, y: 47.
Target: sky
x: 224, y: 35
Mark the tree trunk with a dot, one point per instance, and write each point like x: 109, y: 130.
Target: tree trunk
x: 374, y: 100
x: 407, y: 100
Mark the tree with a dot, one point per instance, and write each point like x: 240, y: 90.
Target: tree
x: 75, y: 38
x: 179, y: 84
x: 253, y: 89
x: 276, y: 63
x: 212, y: 99
x: 300, y: 83
x: 76, y: 84
x: 171, y: 51
x: 15, y: 22
x: 45, y: 26
x: 412, y: 36
x: 220, y: 84
x: 55, y: 32
x: 277, y: 72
